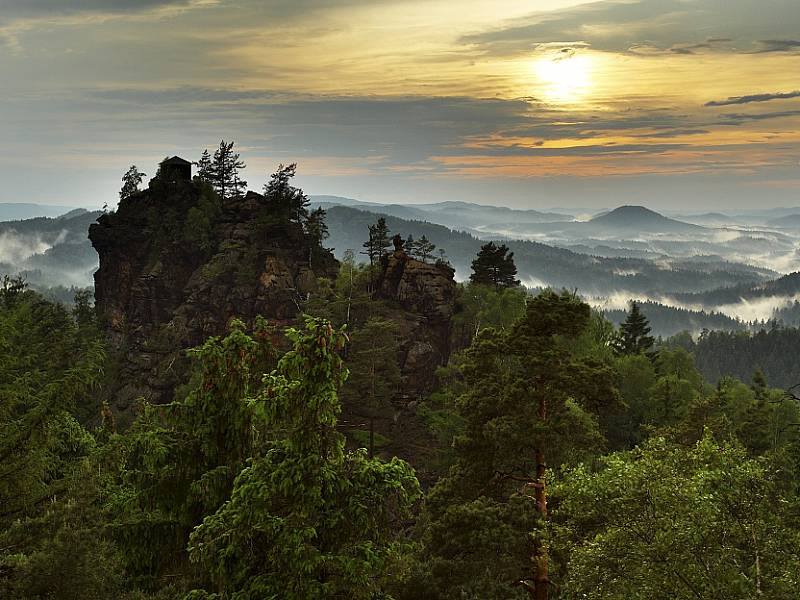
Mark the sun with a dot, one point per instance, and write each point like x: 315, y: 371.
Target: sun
x: 565, y: 79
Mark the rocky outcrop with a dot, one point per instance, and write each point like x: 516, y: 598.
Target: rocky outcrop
x: 176, y: 265
x: 426, y: 294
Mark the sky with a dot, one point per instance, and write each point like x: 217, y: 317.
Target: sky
x: 673, y: 104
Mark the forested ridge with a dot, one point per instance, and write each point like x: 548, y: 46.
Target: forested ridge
x: 400, y: 437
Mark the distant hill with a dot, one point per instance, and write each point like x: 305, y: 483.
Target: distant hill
x: 540, y: 264
x: 639, y: 218
x: 787, y: 286
x: 666, y: 321
x: 15, y: 211
x: 713, y: 219
x: 456, y: 215
x: 788, y: 222
x: 49, y: 251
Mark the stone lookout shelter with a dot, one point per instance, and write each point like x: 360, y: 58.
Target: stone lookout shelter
x: 176, y: 169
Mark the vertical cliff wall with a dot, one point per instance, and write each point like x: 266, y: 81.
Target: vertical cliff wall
x: 176, y: 264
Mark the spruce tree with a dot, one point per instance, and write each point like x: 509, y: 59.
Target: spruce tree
x: 494, y: 266
x: 635, y: 333
x: 224, y: 171
x: 306, y: 519
x: 130, y: 182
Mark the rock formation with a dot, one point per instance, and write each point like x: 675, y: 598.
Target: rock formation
x: 176, y: 264
x: 426, y: 293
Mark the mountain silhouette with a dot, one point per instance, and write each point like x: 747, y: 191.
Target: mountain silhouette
x: 639, y: 218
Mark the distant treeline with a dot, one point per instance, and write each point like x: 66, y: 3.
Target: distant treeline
x: 739, y: 354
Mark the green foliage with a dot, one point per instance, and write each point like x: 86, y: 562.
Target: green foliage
x: 364, y: 438
x: 130, y: 182
x: 201, y: 221
x: 223, y: 172
x: 378, y: 242
x: 494, y: 266
x: 306, y: 519
x: 50, y: 361
x: 179, y: 461
x: 635, y: 338
x: 525, y: 392
x: 421, y: 248
x: 291, y: 203
x: 482, y: 306
x: 671, y: 522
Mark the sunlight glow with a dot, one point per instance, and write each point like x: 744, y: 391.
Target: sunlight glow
x: 565, y: 79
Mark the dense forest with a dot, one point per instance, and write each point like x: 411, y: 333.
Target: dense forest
x: 660, y: 485
x: 552, y: 454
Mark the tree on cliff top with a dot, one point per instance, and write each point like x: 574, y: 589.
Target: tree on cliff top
x: 375, y: 247
x: 130, y: 182
x: 494, y: 266
x: 204, y: 166
x: 224, y: 171
x: 290, y: 201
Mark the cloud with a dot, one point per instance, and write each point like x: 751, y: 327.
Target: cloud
x: 652, y: 26
x: 735, y: 118
x: 778, y: 46
x: 754, y: 98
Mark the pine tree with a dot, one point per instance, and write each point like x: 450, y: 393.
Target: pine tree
x: 130, y: 182
x: 224, y: 171
x: 635, y: 330
x: 316, y: 227
x: 291, y: 202
x: 530, y: 400
x: 378, y: 243
x: 423, y: 248
x: 494, y: 266
x: 204, y: 167
x: 408, y: 245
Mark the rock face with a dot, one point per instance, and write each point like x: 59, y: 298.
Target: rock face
x: 176, y: 264
x: 426, y: 293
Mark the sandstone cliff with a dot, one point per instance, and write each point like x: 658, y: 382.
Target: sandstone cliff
x: 426, y: 294
x: 176, y: 264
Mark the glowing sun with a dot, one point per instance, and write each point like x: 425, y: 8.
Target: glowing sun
x: 564, y: 79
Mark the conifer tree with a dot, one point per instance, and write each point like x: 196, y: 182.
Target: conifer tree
x: 423, y: 248
x: 289, y: 201
x: 205, y: 167
x: 317, y: 229
x: 530, y: 400
x: 181, y: 459
x: 224, y: 171
x: 635, y: 333
x: 374, y: 372
x: 307, y: 519
x: 494, y: 266
x: 378, y: 243
x: 408, y: 245
x: 130, y: 182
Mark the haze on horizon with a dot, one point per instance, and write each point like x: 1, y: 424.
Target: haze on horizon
x: 674, y: 104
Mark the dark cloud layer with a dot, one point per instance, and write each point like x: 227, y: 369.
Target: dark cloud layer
x: 754, y: 98
x: 673, y: 26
